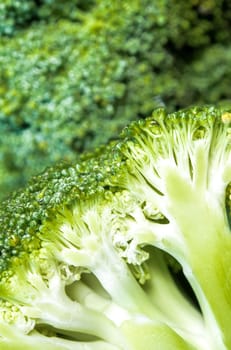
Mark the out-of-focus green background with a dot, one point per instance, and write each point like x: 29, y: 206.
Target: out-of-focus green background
x: 73, y: 73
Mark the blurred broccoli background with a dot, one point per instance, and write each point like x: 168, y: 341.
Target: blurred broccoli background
x: 74, y: 73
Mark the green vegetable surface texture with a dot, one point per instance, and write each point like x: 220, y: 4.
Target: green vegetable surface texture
x: 73, y: 75
x: 128, y: 249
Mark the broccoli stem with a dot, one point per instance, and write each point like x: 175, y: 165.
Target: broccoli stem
x: 138, y: 330
x: 123, y: 289
x: 204, y: 229
x: 116, y: 278
x: 151, y: 336
x: 181, y: 315
x: 64, y: 314
x: 12, y: 339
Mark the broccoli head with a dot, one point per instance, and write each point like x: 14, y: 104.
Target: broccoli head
x: 73, y: 76
x: 129, y: 248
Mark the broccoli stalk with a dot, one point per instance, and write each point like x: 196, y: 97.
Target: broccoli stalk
x: 12, y: 338
x: 84, y: 236
x: 40, y: 295
x: 47, y: 291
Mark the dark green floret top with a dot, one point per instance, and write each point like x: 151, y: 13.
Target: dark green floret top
x: 72, y: 77
x: 106, y: 169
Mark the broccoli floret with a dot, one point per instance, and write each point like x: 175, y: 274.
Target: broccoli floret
x: 18, y: 15
x: 91, y: 253
x: 73, y: 76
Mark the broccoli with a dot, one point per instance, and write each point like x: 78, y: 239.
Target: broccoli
x: 17, y: 15
x: 128, y: 249
x: 72, y: 76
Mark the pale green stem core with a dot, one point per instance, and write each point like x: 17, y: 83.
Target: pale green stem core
x: 66, y: 315
x: 11, y: 339
x: 204, y: 229
x: 116, y: 278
